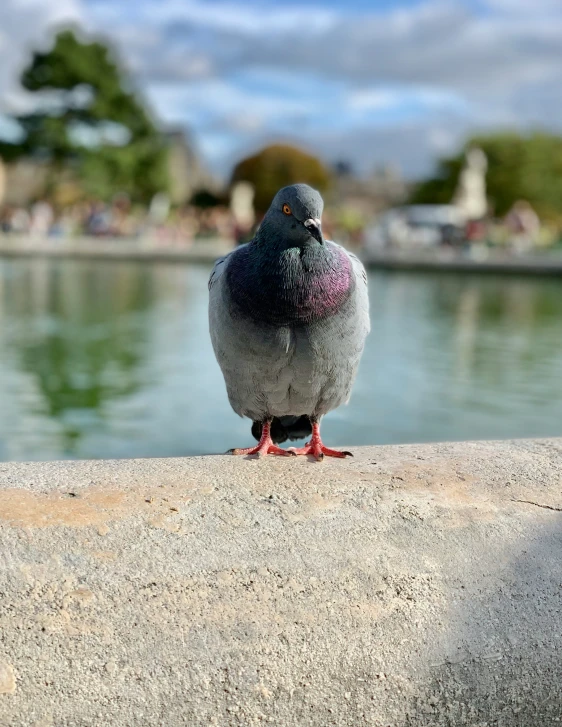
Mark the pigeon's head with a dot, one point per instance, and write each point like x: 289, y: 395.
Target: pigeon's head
x: 295, y: 216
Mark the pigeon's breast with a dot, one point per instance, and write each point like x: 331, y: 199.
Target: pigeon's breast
x: 295, y: 290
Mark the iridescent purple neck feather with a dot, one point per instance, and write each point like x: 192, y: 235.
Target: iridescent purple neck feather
x: 290, y: 286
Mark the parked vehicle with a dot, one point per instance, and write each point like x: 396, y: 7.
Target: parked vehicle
x: 417, y: 226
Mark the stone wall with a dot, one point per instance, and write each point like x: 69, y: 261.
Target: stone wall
x: 412, y: 585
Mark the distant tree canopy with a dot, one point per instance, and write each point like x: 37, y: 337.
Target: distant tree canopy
x: 89, y: 120
x: 519, y: 167
x: 277, y: 166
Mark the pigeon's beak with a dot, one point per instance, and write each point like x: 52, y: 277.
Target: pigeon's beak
x: 314, y: 226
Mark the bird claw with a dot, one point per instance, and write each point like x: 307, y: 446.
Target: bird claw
x: 319, y: 451
x: 266, y: 446
x: 262, y: 451
x: 273, y: 449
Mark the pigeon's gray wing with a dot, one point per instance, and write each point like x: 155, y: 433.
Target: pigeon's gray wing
x: 360, y: 278
x: 217, y: 271
x: 254, y: 359
x: 363, y: 320
x: 337, y: 344
x: 220, y: 266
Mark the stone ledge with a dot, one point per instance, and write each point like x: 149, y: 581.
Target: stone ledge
x: 412, y: 585
x: 88, y: 248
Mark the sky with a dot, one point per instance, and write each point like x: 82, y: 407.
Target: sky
x: 369, y: 81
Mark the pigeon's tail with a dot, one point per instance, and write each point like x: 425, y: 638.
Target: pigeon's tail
x: 283, y: 428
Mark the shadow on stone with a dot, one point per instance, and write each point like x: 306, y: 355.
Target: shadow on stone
x: 504, y: 663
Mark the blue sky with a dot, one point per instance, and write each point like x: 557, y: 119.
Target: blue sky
x: 373, y: 82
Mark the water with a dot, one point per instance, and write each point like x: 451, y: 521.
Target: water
x: 103, y: 359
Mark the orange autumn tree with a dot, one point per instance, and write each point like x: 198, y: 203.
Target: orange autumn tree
x: 277, y: 166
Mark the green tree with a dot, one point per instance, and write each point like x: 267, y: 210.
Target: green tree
x: 519, y: 167
x: 275, y: 167
x: 88, y: 119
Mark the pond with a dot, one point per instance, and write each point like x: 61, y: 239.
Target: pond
x: 113, y: 359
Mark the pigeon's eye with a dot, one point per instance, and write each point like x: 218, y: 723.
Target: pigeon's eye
x: 286, y: 209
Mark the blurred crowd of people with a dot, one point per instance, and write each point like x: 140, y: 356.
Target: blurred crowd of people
x: 443, y: 225
x: 159, y: 221
x: 520, y: 230
x: 161, y: 224
x: 120, y: 219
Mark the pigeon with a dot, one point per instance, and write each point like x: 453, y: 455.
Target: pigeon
x: 288, y: 318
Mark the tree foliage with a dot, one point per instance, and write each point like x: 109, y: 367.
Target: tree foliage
x: 277, y: 166
x: 519, y: 167
x: 88, y: 118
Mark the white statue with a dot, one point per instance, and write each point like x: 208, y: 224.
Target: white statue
x: 242, y: 204
x: 159, y: 208
x: 470, y: 195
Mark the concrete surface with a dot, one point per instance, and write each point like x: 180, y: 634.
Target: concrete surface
x: 207, y: 251
x: 412, y: 585
x: 498, y: 262
x: 89, y: 248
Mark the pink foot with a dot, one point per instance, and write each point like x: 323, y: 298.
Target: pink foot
x: 317, y: 449
x: 264, y: 446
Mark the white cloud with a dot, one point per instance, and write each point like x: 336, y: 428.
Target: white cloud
x: 248, y: 18
x: 26, y: 25
x: 482, y: 58
x: 381, y: 99
x: 521, y: 7
x: 9, y: 129
x: 442, y: 140
x: 372, y: 99
x: 238, y: 71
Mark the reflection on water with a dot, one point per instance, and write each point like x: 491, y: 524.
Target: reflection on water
x: 105, y: 359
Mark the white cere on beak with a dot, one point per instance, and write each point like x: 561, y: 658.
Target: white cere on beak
x: 313, y: 221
